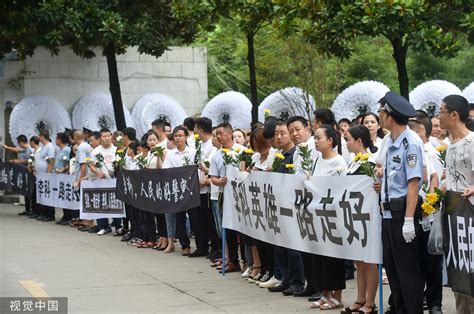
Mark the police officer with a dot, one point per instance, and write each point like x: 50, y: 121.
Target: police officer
x: 402, y: 178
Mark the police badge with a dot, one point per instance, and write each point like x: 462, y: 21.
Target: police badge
x: 411, y: 160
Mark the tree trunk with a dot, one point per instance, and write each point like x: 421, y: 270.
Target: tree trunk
x: 114, y: 86
x: 253, y: 77
x: 400, y: 56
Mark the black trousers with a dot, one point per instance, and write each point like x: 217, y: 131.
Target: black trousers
x: 329, y: 273
x: 212, y: 231
x: 233, y: 245
x: 432, y: 268
x: 267, y: 256
x: 147, y: 225
x: 200, y: 223
x: 309, y: 271
x: 27, y: 204
x: 132, y: 214
x: 290, y: 264
x: 48, y: 211
x: 402, y: 263
x: 161, y: 224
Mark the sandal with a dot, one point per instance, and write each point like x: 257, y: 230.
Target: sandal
x: 319, y: 303
x: 332, y: 305
x: 146, y: 245
x: 372, y: 308
x: 349, y: 310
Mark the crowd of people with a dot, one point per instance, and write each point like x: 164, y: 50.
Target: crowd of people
x: 403, y: 145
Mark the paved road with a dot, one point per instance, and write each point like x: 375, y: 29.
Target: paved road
x: 103, y: 275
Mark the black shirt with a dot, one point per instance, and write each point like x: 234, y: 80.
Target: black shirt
x: 288, y: 160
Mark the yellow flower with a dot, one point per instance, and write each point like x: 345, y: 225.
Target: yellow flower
x: 279, y: 156
x: 267, y: 111
x: 441, y: 148
x: 119, y: 151
x: 237, y: 150
x: 365, y: 157
x: 431, y: 198
x: 358, y: 156
x: 428, y: 209
x: 289, y: 166
x: 225, y: 150
x: 196, y: 136
x: 87, y: 159
x: 248, y: 151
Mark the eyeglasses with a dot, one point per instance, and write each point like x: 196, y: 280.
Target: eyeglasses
x: 441, y: 112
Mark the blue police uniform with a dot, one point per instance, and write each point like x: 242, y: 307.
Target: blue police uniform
x: 403, y: 163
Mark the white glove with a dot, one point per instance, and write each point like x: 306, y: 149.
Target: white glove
x: 408, y: 230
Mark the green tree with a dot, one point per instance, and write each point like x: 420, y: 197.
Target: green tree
x: 332, y: 26
x: 248, y: 15
x: 111, y: 25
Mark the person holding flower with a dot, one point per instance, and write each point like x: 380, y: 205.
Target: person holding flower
x: 328, y: 272
x: 359, y: 142
x: 305, y: 153
x: 176, y: 223
x: 44, y: 162
x: 61, y: 165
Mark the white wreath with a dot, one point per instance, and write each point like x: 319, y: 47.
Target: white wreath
x: 428, y: 95
x: 469, y: 92
x: 36, y: 112
x: 290, y: 101
x: 96, y: 111
x: 231, y: 107
x: 153, y: 106
x: 362, y: 97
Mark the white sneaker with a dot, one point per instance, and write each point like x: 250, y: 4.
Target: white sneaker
x: 273, y: 282
x: 103, y: 231
x: 247, y: 272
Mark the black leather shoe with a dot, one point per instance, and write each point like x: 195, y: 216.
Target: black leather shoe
x: 197, y: 253
x: 436, y: 310
x: 306, y: 292
x: 33, y: 216
x: 315, y: 297
x: 46, y: 219
x: 279, y: 288
x: 127, y: 237
x: 60, y: 221
x: 40, y: 217
x: 65, y: 222
x: 23, y: 213
x: 292, y: 290
x: 94, y: 229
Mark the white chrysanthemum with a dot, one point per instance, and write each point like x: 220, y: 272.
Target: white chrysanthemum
x: 469, y: 92
x: 96, y: 111
x: 232, y: 107
x: 153, y: 106
x: 428, y: 95
x: 36, y: 112
x: 359, y: 98
x: 287, y: 102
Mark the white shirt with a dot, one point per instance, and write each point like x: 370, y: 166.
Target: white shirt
x: 297, y: 160
x: 330, y: 167
x: 267, y: 163
x: 217, y: 168
x: 42, y: 155
x: 174, y: 158
x: 106, y: 166
x: 460, y: 164
x: 206, y: 150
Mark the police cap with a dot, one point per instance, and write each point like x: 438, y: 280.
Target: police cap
x: 398, y: 107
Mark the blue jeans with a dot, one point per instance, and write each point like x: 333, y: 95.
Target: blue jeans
x: 176, y: 224
x: 216, y: 210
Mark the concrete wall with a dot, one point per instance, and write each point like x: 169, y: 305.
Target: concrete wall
x: 180, y: 73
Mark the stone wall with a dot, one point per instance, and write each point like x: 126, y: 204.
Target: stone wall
x: 180, y: 73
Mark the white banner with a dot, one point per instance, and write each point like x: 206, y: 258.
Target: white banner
x: 336, y: 216
x: 57, y: 190
x: 100, y: 201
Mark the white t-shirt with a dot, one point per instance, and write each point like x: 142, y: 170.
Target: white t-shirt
x: 106, y: 166
x: 297, y: 158
x: 42, y: 155
x: 460, y: 164
x: 84, y: 151
x: 330, y: 167
x: 267, y: 163
x: 206, y: 150
x: 217, y: 168
x: 151, y: 160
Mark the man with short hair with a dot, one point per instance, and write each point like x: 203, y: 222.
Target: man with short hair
x: 190, y: 124
x: 81, y: 171
x: 401, y: 182
x: 289, y: 262
x: 44, y: 162
x: 24, y: 151
x: 102, y: 167
x: 437, y: 133
x: 159, y: 126
x: 453, y: 115
x: 218, y: 178
x: 94, y: 139
x: 201, y: 217
x: 61, y: 165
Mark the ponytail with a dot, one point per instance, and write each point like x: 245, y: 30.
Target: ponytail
x: 361, y: 132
